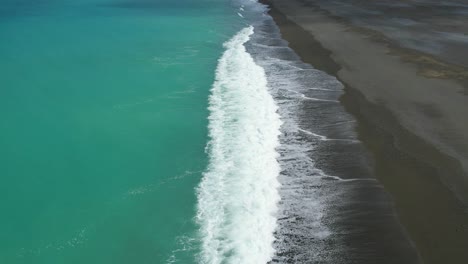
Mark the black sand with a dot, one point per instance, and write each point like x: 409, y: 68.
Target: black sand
x: 424, y: 175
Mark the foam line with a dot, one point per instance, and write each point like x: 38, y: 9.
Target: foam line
x: 322, y: 89
x: 317, y: 99
x: 347, y: 180
x: 324, y: 138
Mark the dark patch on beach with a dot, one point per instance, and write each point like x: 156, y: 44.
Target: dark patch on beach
x: 411, y: 171
x: 429, y: 110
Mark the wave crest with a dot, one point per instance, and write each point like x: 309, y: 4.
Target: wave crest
x: 238, y: 195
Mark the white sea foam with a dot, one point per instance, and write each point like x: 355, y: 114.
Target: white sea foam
x: 238, y: 196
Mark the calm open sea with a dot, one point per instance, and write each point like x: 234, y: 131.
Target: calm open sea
x: 103, y: 120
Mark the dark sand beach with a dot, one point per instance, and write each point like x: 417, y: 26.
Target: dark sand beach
x: 411, y: 107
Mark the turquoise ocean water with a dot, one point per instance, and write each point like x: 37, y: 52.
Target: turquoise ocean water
x: 103, y: 123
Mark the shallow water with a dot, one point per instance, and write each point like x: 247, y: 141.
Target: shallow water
x: 434, y: 27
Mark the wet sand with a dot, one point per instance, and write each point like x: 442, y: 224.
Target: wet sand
x: 414, y: 126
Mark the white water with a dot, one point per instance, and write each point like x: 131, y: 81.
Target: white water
x: 238, y: 195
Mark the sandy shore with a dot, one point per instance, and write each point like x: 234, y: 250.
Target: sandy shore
x: 416, y: 127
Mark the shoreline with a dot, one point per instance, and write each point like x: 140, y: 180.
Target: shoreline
x: 410, y: 169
